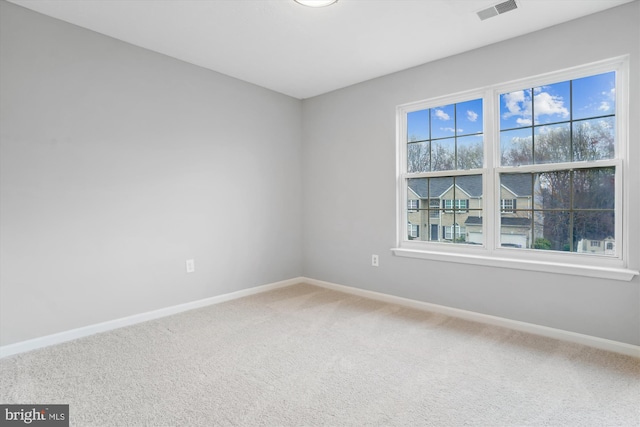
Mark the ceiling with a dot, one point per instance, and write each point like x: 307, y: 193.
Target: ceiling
x: 302, y: 51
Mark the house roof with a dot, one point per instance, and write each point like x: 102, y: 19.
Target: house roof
x: 472, y: 185
x: 518, y: 184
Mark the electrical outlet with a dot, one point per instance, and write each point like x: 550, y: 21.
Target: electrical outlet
x: 374, y: 260
x: 191, y: 265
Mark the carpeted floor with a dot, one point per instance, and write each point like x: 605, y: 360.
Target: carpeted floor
x: 308, y: 356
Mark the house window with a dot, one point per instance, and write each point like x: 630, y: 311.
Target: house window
x: 595, y: 243
x: 547, y: 151
x: 413, y: 230
x: 413, y: 205
x: 434, y: 211
x: 457, y: 204
x: 454, y: 232
x: 507, y: 205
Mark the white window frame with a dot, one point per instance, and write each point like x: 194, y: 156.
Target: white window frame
x: 413, y: 205
x: 490, y: 253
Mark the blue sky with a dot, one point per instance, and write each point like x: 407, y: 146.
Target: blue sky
x: 464, y: 118
x: 589, y: 97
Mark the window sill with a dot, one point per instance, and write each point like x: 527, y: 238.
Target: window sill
x: 622, y: 274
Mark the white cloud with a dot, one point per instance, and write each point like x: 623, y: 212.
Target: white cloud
x: 547, y: 104
x: 604, y: 106
x: 442, y: 115
x: 452, y: 130
x: 611, y: 94
x: 472, y: 116
x: 513, y: 103
x: 519, y: 104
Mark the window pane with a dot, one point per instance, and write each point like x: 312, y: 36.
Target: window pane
x: 440, y: 187
x: 515, y: 109
x: 594, y: 139
x: 417, y: 188
x: 470, y: 152
x: 594, y: 232
x: 468, y: 187
x: 418, y: 126
x: 552, y: 144
x: 413, y: 231
x: 551, y: 103
x: 518, y: 188
x: 473, y: 226
x: 447, y: 213
x: 418, y: 158
x: 594, y: 96
x: 552, y: 190
x: 594, y: 188
x: 515, y: 231
x: 432, y: 227
x: 551, y: 230
x: 443, y: 154
x: 442, y: 122
x: 469, y: 118
x: 516, y: 147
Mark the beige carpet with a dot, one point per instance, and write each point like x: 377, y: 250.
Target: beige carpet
x: 307, y: 356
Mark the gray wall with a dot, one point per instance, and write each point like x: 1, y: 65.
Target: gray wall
x: 118, y: 164
x: 350, y: 199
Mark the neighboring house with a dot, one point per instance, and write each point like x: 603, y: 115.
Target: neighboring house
x: 603, y: 247
x: 438, y: 210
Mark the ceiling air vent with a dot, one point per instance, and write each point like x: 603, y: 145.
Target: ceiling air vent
x: 498, y: 9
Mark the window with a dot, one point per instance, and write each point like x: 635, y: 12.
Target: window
x: 507, y: 205
x: 413, y: 205
x: 454, y: 232
x: 413, y: 230
x: 527, y: 171
x: 457, y: 204
x: 434, y: 205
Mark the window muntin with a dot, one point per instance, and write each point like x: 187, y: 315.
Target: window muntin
x: 583, y: 129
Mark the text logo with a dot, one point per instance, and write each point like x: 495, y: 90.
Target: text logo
x: 34, y: 415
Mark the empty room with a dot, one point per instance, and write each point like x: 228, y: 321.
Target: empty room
x: 320, y: 213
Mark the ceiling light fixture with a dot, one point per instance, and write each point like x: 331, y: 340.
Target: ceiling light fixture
x: 316, y: 3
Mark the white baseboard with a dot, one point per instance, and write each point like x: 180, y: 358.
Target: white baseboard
x: 45, y: 341
x: 601, y: 343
